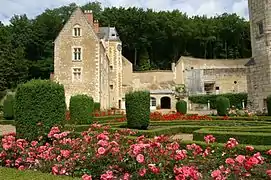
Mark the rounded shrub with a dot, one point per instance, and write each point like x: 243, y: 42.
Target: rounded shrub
x: 137, y: 106
x: 39, y: 105
x: 97, y: 106
x: 222, y: 105
x: 8, y: 107
x: 268, y: 101
x: 81, y: 109
x: 181, y: 107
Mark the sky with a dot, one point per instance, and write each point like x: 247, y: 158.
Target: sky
x: 33, y: 8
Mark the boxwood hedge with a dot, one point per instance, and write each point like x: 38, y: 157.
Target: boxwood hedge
x: 81, y: 109
x: 138, y: 109
x: 39, y: 105
x: 236, y: 99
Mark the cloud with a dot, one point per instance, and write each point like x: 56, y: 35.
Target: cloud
x: 33, y: 8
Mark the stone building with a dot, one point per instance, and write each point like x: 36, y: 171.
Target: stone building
x: 88, y: 60
x: 259, y: 67
x: 85, y: 57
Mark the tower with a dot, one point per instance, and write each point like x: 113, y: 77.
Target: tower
x: 259, y: 67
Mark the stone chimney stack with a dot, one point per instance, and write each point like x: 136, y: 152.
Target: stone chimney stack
x: 96, y: 26
x: 89, y: 16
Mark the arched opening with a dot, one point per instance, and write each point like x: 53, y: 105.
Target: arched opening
x: 165, y: 103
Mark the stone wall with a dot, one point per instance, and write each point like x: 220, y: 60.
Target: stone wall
x: 259, y: 69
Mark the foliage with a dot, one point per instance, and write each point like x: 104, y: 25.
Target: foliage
x: 97, y: 106
x: 39, y: 105
x: 181, y: 107
x: 81, y: 109
x: 8, y: 107
x: 268, y: 101
x: 222, y: 105
x: 236, y: 99
x: 118, y: 157
x: 137, y: 105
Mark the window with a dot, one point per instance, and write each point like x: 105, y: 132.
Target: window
x: 111, y: 68
x: 77, y: 54
x: 77, y: 31
x: 111, y: 86
x: 235, y: 82
x: 209, y: 87
x: 217, y: 88
x: 260, y: 27
x: 153, y: 101
x: 76, y: 74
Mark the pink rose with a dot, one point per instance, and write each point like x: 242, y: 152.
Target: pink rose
x: 216, y: 173
x: 140, y: 158
x: 240, y: 159
x: 101, y: 150
x: 249, y: 148
x: 230, y: 161
x: 268, y: 172
x: 142, y: 172
x: 86, y: 177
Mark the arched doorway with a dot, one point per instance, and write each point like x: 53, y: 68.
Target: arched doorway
x: 165, y: 103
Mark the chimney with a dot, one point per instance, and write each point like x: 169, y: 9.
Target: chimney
x: 89, y: 16
x: 96, y: 26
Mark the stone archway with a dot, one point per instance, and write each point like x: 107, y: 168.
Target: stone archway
x: 165, y: 103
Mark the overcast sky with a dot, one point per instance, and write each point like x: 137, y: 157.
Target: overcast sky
x: 192, y: 7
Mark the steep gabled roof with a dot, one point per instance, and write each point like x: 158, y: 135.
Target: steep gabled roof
x: 78, y: 10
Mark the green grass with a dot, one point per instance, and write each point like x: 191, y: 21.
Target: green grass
x: 14, y: 174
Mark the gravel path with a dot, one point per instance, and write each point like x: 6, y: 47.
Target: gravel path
x: 185, y: 137
x: 4, y: 129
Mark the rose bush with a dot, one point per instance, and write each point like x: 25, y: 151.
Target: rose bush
x: 100, y: 153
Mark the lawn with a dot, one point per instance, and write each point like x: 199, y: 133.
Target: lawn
x: 13, y: 174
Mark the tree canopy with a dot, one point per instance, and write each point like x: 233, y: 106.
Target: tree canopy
x: 151, y: 40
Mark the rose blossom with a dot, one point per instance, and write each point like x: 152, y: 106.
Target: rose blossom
x: 140, y: 158
x: 268, y: 172
x: 240, y: 159
x: 249, y: 148
x: 101, y: 150
x: 86, y: 177
x: 230, y: 161
x: 142, y: 172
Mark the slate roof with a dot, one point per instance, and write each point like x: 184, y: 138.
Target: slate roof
x: 108, y: 33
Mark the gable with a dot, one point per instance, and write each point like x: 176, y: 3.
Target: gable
x: 76, y: 19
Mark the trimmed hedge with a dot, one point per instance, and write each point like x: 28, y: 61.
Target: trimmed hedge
x: 222, y: 105
x: 97, y: 106
x: 138, y: 109
x: 39, y: 105
x: 269, y: 105
x: 81, y: 109
x: 236, y: 99
x: 254, y: 138
x: 181, y: 107
x: 8, y: 107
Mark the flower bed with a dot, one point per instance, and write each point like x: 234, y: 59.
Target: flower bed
x: 101, y: 153
x: 158, y: 116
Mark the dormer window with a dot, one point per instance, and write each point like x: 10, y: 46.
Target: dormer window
x: 77, y: 31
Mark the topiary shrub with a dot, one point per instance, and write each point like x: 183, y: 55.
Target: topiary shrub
x: 137, y: 106
x: 8, y: 107
x: 97, y: 106
x: 268, y: 101
x: 39, y: 105
x: 181, y: 107
x: 81, y: 109
x: 222, y: 105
